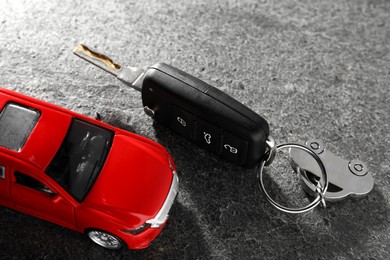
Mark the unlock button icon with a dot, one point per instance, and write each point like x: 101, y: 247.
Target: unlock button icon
x: 181, y: 121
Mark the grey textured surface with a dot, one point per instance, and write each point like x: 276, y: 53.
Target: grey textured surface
x: 311, y: 68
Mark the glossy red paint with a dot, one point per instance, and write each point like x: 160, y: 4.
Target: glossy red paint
x: 131, y: 188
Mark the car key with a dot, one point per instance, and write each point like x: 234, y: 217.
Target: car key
x: 224, y: 126
x: 192, y: 108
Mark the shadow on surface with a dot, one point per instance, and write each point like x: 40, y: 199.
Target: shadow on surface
x: 23, y: 236
x: 343, y: 228
x: 242, y: 224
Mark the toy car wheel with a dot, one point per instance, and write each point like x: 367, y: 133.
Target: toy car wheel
x: 105, y: 239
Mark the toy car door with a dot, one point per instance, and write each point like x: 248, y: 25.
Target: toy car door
x: 33, y: 197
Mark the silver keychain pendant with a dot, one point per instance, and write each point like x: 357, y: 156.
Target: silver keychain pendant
x: 328, y: 177
x: 346, y: 178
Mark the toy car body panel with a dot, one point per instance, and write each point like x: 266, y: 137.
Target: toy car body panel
x: 83, y: 174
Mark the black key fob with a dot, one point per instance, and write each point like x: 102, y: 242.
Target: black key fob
x: 204, y: 115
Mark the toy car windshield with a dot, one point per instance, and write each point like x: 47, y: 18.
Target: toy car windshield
x: 80, y: 158
x: 16, y: 125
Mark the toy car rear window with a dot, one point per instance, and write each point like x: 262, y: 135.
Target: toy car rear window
x: 16, y: 125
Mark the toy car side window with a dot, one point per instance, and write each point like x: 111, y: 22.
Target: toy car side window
x: 25, y: 180
x: 2, y: 172
x: 16, y: 125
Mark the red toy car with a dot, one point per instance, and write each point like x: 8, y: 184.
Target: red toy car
x: 83, y: 174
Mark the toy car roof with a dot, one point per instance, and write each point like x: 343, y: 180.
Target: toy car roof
x: 48, y: 123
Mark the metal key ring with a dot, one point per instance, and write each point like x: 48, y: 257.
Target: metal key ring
x: 320, y: 190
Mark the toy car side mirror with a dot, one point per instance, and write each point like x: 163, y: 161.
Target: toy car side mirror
x: 98, y: 116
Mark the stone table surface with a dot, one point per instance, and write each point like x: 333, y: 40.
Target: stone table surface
x: 312, y: 69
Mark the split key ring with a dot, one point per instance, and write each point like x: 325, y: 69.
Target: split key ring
x: 320, y: 189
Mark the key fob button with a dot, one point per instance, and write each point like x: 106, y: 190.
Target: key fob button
x: 233, y: 148
x: 183, y: 123
x: 208, y: 136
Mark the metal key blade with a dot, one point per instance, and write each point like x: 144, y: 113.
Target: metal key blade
x: 128, y: 75
x: 346, y: 178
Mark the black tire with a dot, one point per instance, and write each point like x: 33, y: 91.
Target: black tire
x: 105, y: 239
